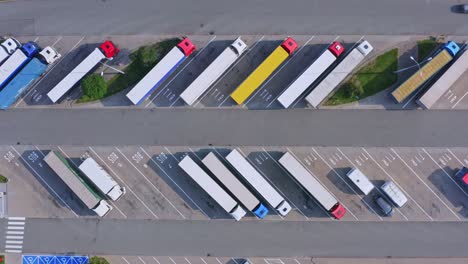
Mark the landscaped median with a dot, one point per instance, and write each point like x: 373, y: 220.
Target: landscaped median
x: 426, y: 47
x: 374, y: 77
x: 96, y: 87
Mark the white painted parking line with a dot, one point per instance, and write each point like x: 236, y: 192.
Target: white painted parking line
x: 226, y: 72
x: 399, y: 186
x: 15, y: 223
x: 415, y: 174
x: 76, y: 165
x: 126, y: 185
x: 235, y: 261
x: 453, y: 106
x: 245, y: 55
x: 172, y: 260
x: 378, y: 189
x: 16, y: 218
x: 203, y: 261
x: 36, y: 39
x: 154, y: 186
x: 15, y: 232
x: 188, y: 261
x: 12, y: 251
x: 300, y: 186
x: 141, y: 260
x: 157, y: 261
x: 262, y: 87
x: 15, y: 237
x: 446, y: 173
x: 47, y: 73
x: 219, y: 261
x: 297, y: 261
x: 15, y: 227
x: 172, y: 180
x: 14, y: 246
x: 57, y: 41
x: 44, y: 181
x: 125, y: 260
x: 345, y: 182
x: 20, y: 242
x: 177, y: 74
x: 315, y: 176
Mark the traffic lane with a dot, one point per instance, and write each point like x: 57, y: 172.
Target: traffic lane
x: 167, y: 164
x: 238, y: 73
x: 304, y: 206
x: 156, y: 17
x: 362, y: 160
x: 436, y: 178
x: 192, y: 238
x: 27, y: 193
x: 170, y: 96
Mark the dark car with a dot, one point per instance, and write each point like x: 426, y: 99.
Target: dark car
x: 384, y: 205
x: 460, y: 8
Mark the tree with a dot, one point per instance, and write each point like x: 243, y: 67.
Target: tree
x: 94, y: 87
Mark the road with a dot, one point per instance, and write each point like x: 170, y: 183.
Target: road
x: 224, y: 127
x: 91, y: 17
x: 252, y: 238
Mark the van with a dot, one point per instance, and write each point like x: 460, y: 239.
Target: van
x: 394, y: 193
x: 360, y: 180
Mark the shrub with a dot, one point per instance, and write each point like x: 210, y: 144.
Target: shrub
x: 94, y: 87
x: 98, y: 260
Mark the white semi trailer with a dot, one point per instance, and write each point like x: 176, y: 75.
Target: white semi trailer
x: 341, y: 71
x: 234, y: 185
x: 101, y: 179
x: 213, y: 71
x: 260, y: 184
x: 212, y: 188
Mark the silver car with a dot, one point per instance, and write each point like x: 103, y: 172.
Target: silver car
x: 384, y: 206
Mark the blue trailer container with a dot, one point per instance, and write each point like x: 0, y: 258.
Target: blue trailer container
x: 20, y: 83
x: 16, y: 61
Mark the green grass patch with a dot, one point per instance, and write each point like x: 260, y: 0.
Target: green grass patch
x: 426, y: 47
x: 94, y: 87
x: 376, y: 76
x: 98, y: 260
x: 3, y: 179
x: 142, y: 61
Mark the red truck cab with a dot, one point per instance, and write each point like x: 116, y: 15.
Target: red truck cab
x: 336, y: 48
x: 462, y: 176
x: 338, y: 211
x: 109, y: 49
x: 186, y: 46
x: 289, y: 45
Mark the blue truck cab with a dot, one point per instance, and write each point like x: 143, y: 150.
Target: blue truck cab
x: 452, y: 48
x: 261, y: 211
x: 30, y: 49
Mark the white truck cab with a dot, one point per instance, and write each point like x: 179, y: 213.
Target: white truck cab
x: 10, y: 45
x: 50, y: 55
x: 102, y: 208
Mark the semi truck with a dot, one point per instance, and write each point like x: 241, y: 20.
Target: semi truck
x: 71, y: 178
x: 258, y: 183
x: 16, y: 62
x: 213, y: 71
x: 101, y: 179
x: 163, y: 69
x: 312, y: 185
x: 443, y: 57
x: 212, y: 188
x: 341, y: 71
x: 458, y: 68
x: 106, y: 50
x: 394, y: 193
x: 311, y: 74
x: 7, y: 47
x: 238, y: 190
x: 360, y: 180
x: 264, y: 70
x: 28, y: 75
x: 462, y: 176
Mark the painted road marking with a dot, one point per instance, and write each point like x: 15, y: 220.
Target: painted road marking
x: 399, y: 186
x: 15, y: 242
x: 415, y: 174
x: 126, y: 185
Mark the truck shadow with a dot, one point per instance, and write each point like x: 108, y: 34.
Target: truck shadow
x: 56, y: 72
x: 452, y: 190
x: 193, y: 195
x: 63, y: 197
x: 338, y: 177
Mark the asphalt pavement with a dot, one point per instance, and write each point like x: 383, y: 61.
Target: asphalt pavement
x: 234, y: 239
x: 90, y: 17
x: 225, y: 127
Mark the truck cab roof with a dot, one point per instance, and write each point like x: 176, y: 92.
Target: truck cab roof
x: 365, y: 47
x: 452, y: 48
x: 11, y: 45
x: 338, y: 211
x: 290, y: 45
x: 336, y: 48
x: 109, y: 49
x: 462, y: 175
x: 49, y: 54
x: 186, y: 46
x: 30, y: 49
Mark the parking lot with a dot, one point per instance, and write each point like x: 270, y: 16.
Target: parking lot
x: 157, y: 188
x: 74, y: 49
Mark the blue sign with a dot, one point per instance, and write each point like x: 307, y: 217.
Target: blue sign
x: 48, y: 259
